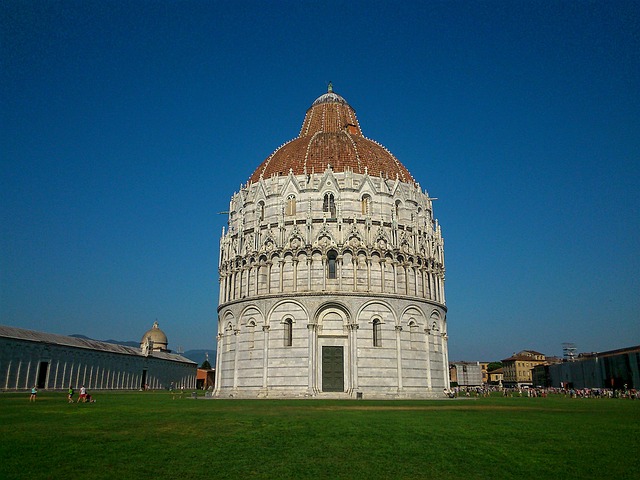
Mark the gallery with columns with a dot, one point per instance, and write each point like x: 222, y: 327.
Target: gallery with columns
x: 331, y: 272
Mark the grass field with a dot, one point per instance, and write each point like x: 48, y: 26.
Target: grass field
x: 152, y: 435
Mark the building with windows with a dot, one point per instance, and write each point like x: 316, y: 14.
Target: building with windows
x: 495, y: 377
x: 51, y: 362
x: 331, y: 272
x: 517, y: 369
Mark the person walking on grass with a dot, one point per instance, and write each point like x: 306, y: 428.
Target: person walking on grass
x: 34, y: 392
x: 70, y: 395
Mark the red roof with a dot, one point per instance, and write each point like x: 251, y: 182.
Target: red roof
x: 331, y: 135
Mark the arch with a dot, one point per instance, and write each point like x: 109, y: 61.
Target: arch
x: 376, y: 336
x: 365, y: 204
x: 329, y: 204
x: 260, y: 211
x: 290, y: 205
x: 228, y: 319
x: 251, y: 332
x: 332, y: 268
x: 288, y: 331
x: 302, y: 273
x: 332, y: 318
x: 434, y: 321
x: 286, y: 307
x: 414, y: 334
x: 377, y: 308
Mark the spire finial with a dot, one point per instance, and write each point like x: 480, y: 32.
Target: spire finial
x: 330, y: 87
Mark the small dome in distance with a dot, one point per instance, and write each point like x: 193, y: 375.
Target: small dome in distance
x: 154, y: 339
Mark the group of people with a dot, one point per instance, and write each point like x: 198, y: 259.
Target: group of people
x: 83, y: 398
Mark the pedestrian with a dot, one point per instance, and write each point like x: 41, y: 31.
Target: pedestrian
x: 34, y: 392
x: 70, y: 395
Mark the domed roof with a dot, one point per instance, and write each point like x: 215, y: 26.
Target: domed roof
x: 331, y: 135
x: 156, y: 335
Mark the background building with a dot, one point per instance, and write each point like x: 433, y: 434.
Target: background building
x: 50, y: 361
x: 495, y: 377
x: 517, y: 369
x: 617, y: 369
x: 466, y: 374
x: 331, y: 272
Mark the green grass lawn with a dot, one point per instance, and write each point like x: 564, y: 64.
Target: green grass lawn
x: 152, y: 435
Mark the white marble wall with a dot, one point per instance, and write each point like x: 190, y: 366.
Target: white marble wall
x: 274, y: 266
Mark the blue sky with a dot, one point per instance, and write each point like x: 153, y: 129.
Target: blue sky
x: 127, y: 126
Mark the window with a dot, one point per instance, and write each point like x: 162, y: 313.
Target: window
x: 251, y: 327
x: 290, y: 207
x: 366, y: 205
x: 377, y: 333
x: 260, y: 211
x: 332, y: 270
x: 329, y: 205
x: 288, y: 332
x: 227, y: 337
x: 397, y: 209
x: 414, y: 335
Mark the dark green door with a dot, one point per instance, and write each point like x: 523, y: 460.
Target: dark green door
x: 332, y: 369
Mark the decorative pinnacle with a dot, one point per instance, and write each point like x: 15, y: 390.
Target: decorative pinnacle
x: 330, y: 87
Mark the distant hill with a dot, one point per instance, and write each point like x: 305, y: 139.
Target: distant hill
x: 115, y: 342
x: 197, y: 356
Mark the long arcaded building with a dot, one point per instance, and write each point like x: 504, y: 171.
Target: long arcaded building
x: 331, y: 272
x: 56, y: 362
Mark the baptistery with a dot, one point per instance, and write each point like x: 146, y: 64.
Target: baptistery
x: 331, y: 272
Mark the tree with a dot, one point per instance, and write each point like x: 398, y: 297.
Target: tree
x: 494, y: 366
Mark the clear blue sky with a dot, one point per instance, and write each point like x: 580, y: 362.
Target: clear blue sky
x: 126, y: 126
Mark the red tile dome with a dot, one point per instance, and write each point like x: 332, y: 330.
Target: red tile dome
x: 331, y: 135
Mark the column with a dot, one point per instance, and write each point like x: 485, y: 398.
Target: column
x: 445, y: 359
x: 353, y: 354
x: 312, y: 329
x: 394, y: 266
x: 236, y: 342
x: 427, y: 333
x: 281, y: 261
x: 354, y: 263
x: 257, y: 279
x: 6, y: 383
x: 218, y: 362
x: 399, y: 355
x: 406, y: 278
x: 294, y: 265
x: 26, y: 376
x: 265, y: 357
x: 324, y: 272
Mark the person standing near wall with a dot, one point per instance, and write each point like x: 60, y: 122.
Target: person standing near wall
x: 34, y: 392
